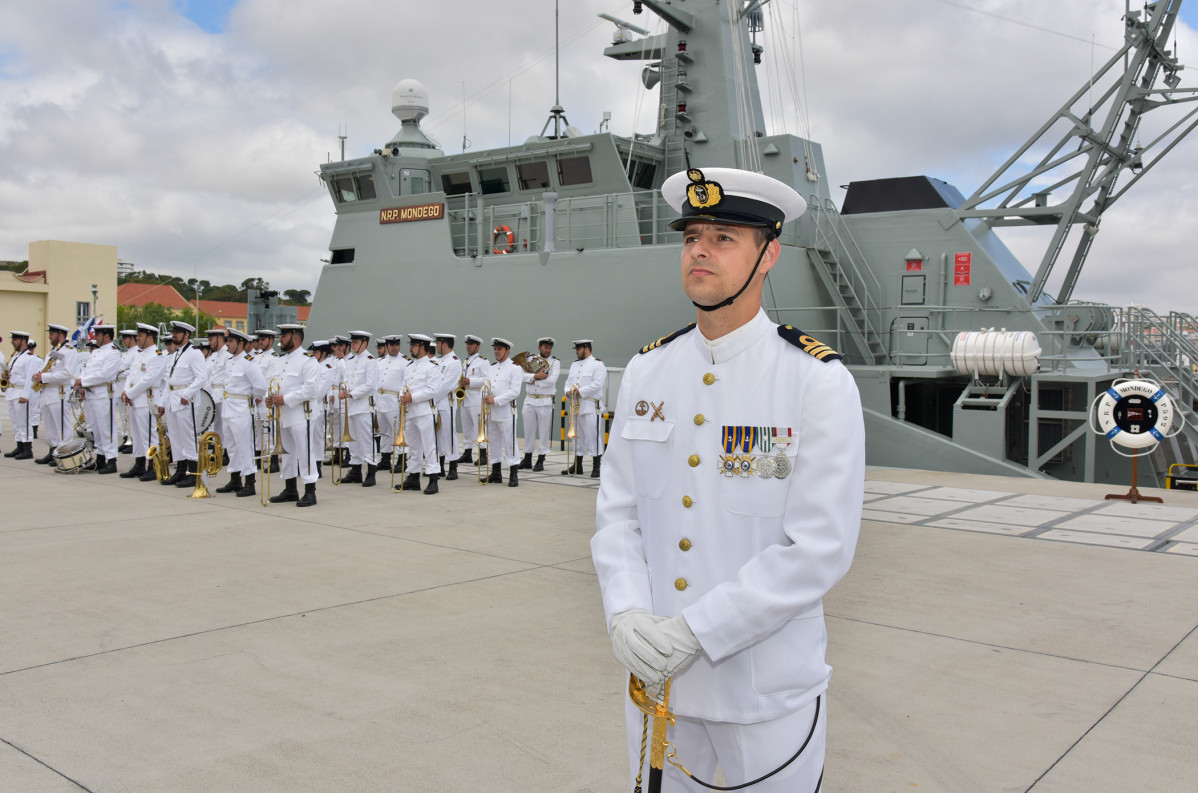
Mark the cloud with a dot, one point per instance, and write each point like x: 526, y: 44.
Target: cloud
x: 124, y: 122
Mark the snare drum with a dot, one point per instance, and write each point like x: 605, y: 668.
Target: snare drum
x: 74, y: 456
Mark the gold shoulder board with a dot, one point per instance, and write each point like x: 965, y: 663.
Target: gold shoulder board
x: 667, y: 339
x: 807, y: 344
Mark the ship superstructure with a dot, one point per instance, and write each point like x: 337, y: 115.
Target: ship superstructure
x: 575, y: 224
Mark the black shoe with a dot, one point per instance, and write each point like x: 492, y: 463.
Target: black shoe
x: 595, y: 464
x: 513, y: 479
x: 189, y: 476
x: 25, y: 451
x: 125, y: 448
x: 468, y: 457
x: 109, y: 466
x: 411, y: 482
x: 385, y: 461
x: 234, y: 485
x: 247, y: 489
x: 150, y: 474
x: 354, y: 477
x: 526, y: 463
x: 16, y: 450
x: 432, y: 484
x: 540, y: 466
x: 369, y: 480
x: 289, y: 493
x: 495, y: 475
x: 47, y: 460
x: 453, y: 472
x: 482, y: 457
x: 576, y: 468
x: 139, y: 468
x: 180, y: 470
x: 309, y: 497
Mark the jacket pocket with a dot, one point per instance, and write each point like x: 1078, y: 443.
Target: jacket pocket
x: 649, y: 441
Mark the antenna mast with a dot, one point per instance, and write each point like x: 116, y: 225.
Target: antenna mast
x: 557, y: 114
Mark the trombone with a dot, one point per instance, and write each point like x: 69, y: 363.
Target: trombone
x: 575, y: 402
x: 270, y: 427
x: 484, y: 417
x: 337, y: 469
x: 401, y: 441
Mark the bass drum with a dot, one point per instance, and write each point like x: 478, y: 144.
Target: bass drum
x: 74, y: 456
x: 205, y: 412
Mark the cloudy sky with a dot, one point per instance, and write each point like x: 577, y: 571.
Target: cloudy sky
x: 187, y: 132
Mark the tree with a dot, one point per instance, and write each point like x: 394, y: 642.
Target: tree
x: 297, y: 296
x: 254, y: 283
x: 159, y: 315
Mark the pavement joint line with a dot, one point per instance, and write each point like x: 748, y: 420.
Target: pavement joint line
x: 277, y: 617
x: 991, y: 644
x: 45, y: 765
x: 1111, y: 709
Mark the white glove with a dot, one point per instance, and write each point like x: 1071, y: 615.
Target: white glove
x: 640, y: 646
x: 684, y: 644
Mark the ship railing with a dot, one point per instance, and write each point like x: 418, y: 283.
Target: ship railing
x: 473, y: 225
x: 1162, y: 345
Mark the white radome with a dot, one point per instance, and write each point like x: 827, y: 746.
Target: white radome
x: 409, y: 100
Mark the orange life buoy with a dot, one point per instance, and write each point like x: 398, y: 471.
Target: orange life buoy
x: 504, y: 240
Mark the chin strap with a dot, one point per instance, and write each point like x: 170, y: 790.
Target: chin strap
x: 728, y: 301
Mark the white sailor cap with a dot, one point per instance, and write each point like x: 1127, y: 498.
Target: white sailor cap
x: 450, y: 336
x: 581, y: 343
x: 147, y: 328
x: 470, y: 337
x: 220, y: 330
x: 240, y: 334
x: 20, y: 333
x: 177, y: 325
x: 732, y: 196
x: 420, y: 337
x: 546, y: 340
x: 203, y: 344
x: 129, y: 332
x: 291, y: 327
x: 394, y: 338
x: 110, y: 329
x: 59, y: 328
x: 321, y: 344
x: 339, y: 339
x: 93, y: 343
x: 360, y: 334
x: 262, y: 332
x: 498, y: 342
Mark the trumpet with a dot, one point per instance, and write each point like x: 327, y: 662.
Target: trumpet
x: 270, y: 427
x: 159, y: 455
x: 210, y: 454
x: 401, y: 440
x: 484, y: 417
x: 338, y: 466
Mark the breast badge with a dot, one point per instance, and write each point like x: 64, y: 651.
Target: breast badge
x: 739, y: 443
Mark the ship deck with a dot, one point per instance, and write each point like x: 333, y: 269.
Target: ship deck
x: 993, y: 635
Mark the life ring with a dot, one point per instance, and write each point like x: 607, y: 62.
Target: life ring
x: 1134, y: 413
x: 503, y: 246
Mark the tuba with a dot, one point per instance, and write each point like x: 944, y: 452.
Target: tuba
x: 210, y: 454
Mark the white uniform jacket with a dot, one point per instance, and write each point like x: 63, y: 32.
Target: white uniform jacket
x: 218, y: 373
x: 591, y: 377
x: 423, y: 378
x: 20, y: 376
x: 186, y: 374
x: 127, y: 359
x: 300, y: 376
x: 477, y: 368
x: 692, y: 520
x: 450, y: 367
x: 362, y: 383
x: 244, y: 385
x: 387, y: 365
x: 540, y: 390
x: 505, y: 379
x: 144, y: 374
x: 99, y: 378
x: 58, y: 381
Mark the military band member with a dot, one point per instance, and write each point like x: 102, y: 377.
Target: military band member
x: 186, y: 376
x: 218, y: 365
x: 505, y: 379
x: 57, y: 382
x: 451, y: 374
x: 589, y: 376
x: 129, y: 352
x: 298, y: 401
x: 264, y: 354
x: 421, y: 382
x: 322, y: 352
x: 386, y: 404
x: 342, y: 358
x: 361, y: 387
x: 20, y: 397
x: 137, y: 395
x: 244, y: 385
x: 472, y: 381
x: 97, y: 385
x: 540, y: 391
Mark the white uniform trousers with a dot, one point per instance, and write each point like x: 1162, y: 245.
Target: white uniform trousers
x: 140, y: 430
x: 238, y: 439
x: 316, y: 433
x: 538, y: 424
x: 743, y: 751
x: 590, y: 435
x: 447, y: 434
x: 22, y: 425
x: 100, y: 413
x: 501, y: 436
x: 218, y: 421
x: 55, y: 413
x: 180, y: 430
x: 361, y: 427
x: 470, y: 426
x: 422, y: 445
x: 299, y: 454
x: 386, y: 436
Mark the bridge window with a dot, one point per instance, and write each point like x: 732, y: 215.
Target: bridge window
x: 494, y: 180
x: 573, y: 170
x: 641, y: 174
x: 533, y: 175
x: 456, y: 183
x: 354, y: 187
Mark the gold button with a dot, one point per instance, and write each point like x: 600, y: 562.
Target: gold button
x: 680, y: 584
x: 684, y: 544
x: 693, y: 460
x: 686, y: 502
x: 699, y: 419
x: 708, y: 378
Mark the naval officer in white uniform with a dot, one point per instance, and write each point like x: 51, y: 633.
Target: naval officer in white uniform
x: 589, y: 376
x: 539, y: 392
x: 730, y: 504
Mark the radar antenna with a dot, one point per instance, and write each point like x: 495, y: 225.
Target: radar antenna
x: 1087, y: 160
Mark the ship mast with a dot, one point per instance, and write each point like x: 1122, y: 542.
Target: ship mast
x: 557, y: 114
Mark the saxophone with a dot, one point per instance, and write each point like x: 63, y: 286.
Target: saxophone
x: 159, y: 455
x: 38, y: 384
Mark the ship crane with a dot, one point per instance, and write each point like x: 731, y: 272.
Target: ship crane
x: 1099, y: 146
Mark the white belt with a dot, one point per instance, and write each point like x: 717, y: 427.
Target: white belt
x: 246, y: 397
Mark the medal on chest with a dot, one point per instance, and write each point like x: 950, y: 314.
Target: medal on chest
x: 740, y: 441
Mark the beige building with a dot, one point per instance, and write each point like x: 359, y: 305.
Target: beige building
x: 58, y: 287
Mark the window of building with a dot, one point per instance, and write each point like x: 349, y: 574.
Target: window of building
x: 228, y: 323
x: 456, y: 183
x: 83, y: 312
x: 533, y: 175
x: 574, y: 170
x: 241, y: 324
x: 494, y: 180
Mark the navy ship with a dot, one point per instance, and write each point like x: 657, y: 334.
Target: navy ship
x: 964, y: 360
